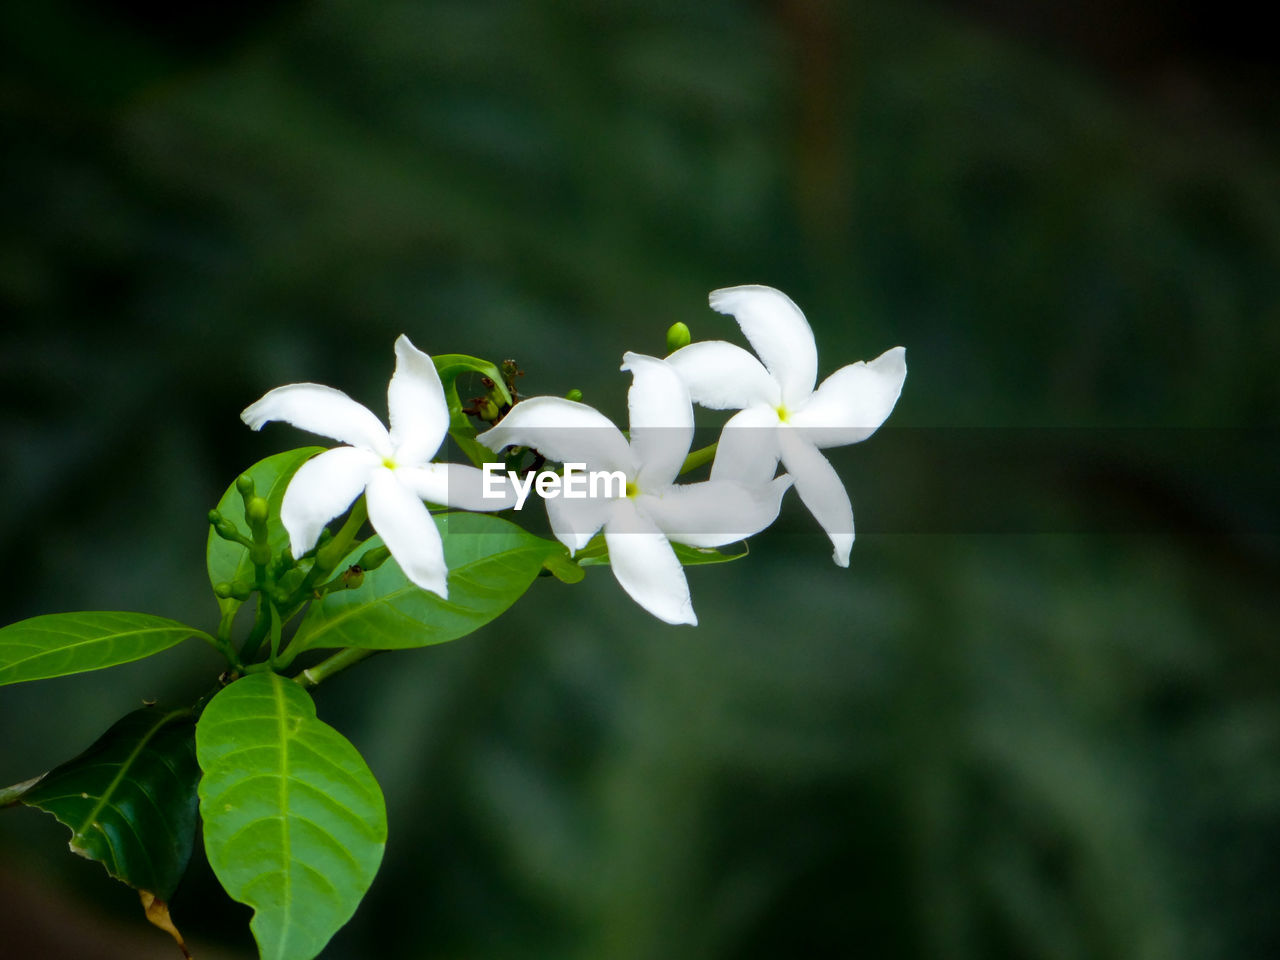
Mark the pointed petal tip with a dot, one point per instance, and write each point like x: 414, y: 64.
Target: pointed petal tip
x: 716, y: 298
x: 432, y: 582
x: 631, y: 358
x: 892, y: 360
x: 404, y: 345
x: 439, y: 587
x: 684, y: 617
x: 727, y: 299
x: 252, y: 417
x: 842, y: 546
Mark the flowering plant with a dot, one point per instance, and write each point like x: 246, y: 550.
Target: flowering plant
x: 292, y: 820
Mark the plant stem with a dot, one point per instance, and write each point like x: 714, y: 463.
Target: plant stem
x: 698, y: 457
x: 330, y: 555
x: 223, y: 646
x: 261, y: 624
x: 313, y: 676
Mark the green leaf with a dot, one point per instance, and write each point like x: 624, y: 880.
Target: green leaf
x: 491, y: 563
x: 596, y: 553
x: 130, y: 799
x: 229, y: 561
x: 294, y: 821
x: 450, y: 366
x: 57, y: 644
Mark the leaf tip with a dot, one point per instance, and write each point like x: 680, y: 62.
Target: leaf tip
x: 157, y: 912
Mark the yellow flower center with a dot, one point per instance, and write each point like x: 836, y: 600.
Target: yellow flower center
x: 388, y: 463
x: 783, y: 413
x: 632, y: 489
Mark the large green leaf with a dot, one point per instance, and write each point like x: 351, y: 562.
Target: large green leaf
x: 57, y: 644
x: 229, y: 561
x: 294, y: 821
x: 450, y: 366
x: 130, y: 799
x: 491, y: 563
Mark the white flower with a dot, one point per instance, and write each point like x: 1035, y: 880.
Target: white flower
x: 393, y: 469
x: 654, y: 511
x: 783, y: 417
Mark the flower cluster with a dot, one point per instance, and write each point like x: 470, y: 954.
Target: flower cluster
x: 784, y: 417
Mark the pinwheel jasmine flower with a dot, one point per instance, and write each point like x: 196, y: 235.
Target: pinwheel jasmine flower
x: 654, y: 511
x: 782, y: 416
x: 393, y: 469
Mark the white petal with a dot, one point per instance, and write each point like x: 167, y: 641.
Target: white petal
x: 851, y: 403
x: 723, y: 376
x: 323, y: 410
x: 564, y: 431
x: 661, y: 419
x: 458, y: 485
x: 779, y: 333
x: 747, y: 451
x: 322, y: 488
x: 576, y: 521
x: 646, y: 566
x: 820, y: 488
x: 714, y: 512
x: 415, y: 401
x: 408, y: 531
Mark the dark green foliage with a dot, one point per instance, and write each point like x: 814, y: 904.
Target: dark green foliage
x: 130, y: 799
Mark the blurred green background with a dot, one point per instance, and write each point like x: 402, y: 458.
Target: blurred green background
x: 1038, y: 717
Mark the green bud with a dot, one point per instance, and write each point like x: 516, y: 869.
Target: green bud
x: 256, y: 510
x: 678, y: 336
x: 575, y: 395
x: 244, y: 483
x: 487, y: 410
x: 214, y: 517
x: 373, y: 559
x: 260, y: 554
x: 353, y: 576
x: 239, y: 589
x: 228, y: 531
x: 222, y: 590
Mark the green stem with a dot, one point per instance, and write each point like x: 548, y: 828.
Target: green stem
x: 224, y: 625
x: 261, y: 624
x: 274, y: 629
x: 330, y: 555
x: 698, y: 457
x: 314, y: 676
x: 222, y: 645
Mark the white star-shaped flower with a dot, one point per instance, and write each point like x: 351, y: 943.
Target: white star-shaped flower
x: 782, y: 416
x: 653, y: 511
x: 393, y: 469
